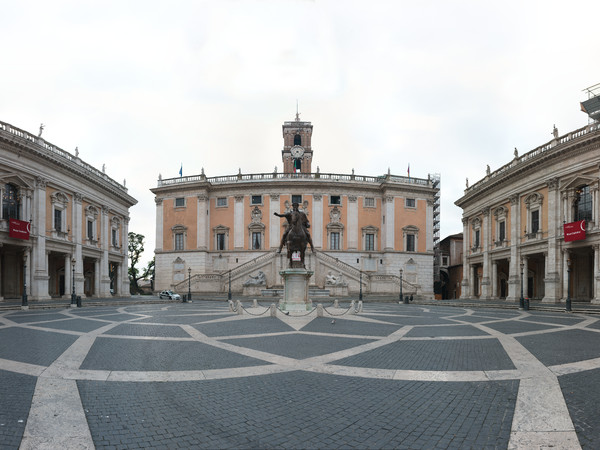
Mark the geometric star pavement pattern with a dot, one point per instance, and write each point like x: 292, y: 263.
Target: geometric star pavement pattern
x: 197, y: 375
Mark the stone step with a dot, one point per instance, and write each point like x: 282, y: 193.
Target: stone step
x: 312, y: 292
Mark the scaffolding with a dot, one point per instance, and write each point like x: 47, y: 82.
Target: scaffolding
x: 591, y: 106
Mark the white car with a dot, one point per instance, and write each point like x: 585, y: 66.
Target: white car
x: 170, y: 295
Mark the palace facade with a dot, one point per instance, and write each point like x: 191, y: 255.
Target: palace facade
x: 514, y: 223
x: 213, y: 233
x: 63, y: 223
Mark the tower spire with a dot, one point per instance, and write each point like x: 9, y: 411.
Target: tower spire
x: 297, y: 113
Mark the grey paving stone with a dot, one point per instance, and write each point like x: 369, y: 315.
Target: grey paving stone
x: 33, y: 346
x: 298, y: 410
x: 582, y: 395
x: 563, y: 346
x: 350, y: 327
x: 446, y: 330
x: 136, y: 329
x: 242, y: 327
x: 81, y: 325
x: 518, y: 326
x: 131, y: 354
x: 182, y: 319
x: 460, y: 354
x: 408, y: 320
x: 298, y: 345
x: 35, y: 317
x: 560, y: 319
x: 16, y: 392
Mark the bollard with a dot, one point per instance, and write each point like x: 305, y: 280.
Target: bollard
x: 239, y: 308
x: 230, y: 305
x: 319, y: 310
x: 79, y: 301
x: 336, y: 303
x: 255, y: 303
x: 360, y: 305
x: 526, y: 304
x: 273, y: 310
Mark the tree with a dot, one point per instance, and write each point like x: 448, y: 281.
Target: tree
x: 135, y: 248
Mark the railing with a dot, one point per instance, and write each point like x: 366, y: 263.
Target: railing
x: 274, y: 176
x: 591, y: 128
x: 46, y: 147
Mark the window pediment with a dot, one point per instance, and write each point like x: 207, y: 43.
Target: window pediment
x: 60, y: 198
x: 578, y: 181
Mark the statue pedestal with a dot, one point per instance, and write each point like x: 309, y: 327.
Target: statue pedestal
x: 295, y: 290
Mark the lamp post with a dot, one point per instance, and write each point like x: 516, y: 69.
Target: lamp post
x: 189, y: 296
x: 229, y: 292
x: 24, y: 298
x: 568, y: 307
x: 522, y: 300
x: 73, y: 296
x: 405, y: 300
x: 360, y: 290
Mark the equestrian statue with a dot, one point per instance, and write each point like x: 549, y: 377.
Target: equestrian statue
x: 296, y: 236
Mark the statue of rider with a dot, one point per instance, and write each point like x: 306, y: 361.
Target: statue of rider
x: 301, y: 216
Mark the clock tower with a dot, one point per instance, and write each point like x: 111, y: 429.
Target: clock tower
x: 297, y: 151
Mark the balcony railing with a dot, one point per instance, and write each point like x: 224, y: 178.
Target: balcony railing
x: 39, y: 144
x: 274, y: 176
x: 591, y: 128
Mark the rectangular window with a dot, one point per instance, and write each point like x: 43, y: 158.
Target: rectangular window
x: 334, y: 243
x: 369, y: 202
x: 220, y: 241
x: 256, y: 200
x: 180, y: 202
x: 221, y: 201
x: 297, y: 199
x: 410, y: 203
x: 90, y: 229
x: 501, y: 231
x: 476, y: 244
x: 369, y: 242
x: 335, y: 200
x: 256, y: 240
x: 535, y: 221
x: 114, y: 237
x: 58, y: 220
x: 410, y: 242
x: 444, y: 260
x: 178, y: 241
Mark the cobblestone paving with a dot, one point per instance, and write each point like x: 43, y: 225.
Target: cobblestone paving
x: 393, y: 376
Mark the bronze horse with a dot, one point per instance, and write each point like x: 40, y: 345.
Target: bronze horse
x: 297, y: 236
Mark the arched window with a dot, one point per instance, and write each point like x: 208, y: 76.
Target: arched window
x: 297, y: 139
x: 10, y: 202
x: 583, y: 203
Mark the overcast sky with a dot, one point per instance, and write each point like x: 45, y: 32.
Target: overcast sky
x: 445, y: 86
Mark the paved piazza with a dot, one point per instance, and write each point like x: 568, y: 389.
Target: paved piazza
x: 392, y: 376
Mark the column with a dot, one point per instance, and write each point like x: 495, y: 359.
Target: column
x: 514, y: 287
x: 316, y: 224
x: 77, y: 224
x: 486, y: 239
x: 275, y: 222
x: 474, y: 281
x: 39, y: 260
x: 465, y: 291
x: 159, y: 223
x: 429, y: 226
x: 389, y: 223
x: 238, y: 223
x: 494, y: 293
x: 596, y: 276
x: 68, y: 276
x: 352, y: 223
x: 551, y: 280
x: 525, y: 277
x: 565, y: 275
x: 105, y: 243
x: 96, y: 278
x: 202, y: 221
x: 124, y: 264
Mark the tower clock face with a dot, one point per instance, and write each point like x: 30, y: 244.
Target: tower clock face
x: 297, y: 151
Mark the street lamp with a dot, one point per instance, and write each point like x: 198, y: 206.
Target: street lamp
x: 360, y: 290
x: 401, y: 299
x: 73, y: 296
x: 229, y: 292
x: 189, y: 296
x: 522, y: 300
x: 24, y: 299
x: 568, y: 308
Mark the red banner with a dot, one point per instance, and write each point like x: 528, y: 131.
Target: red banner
x: 574, y: 231
x: 18, y: 229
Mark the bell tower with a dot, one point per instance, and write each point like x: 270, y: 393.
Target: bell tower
x: 297, y: 151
